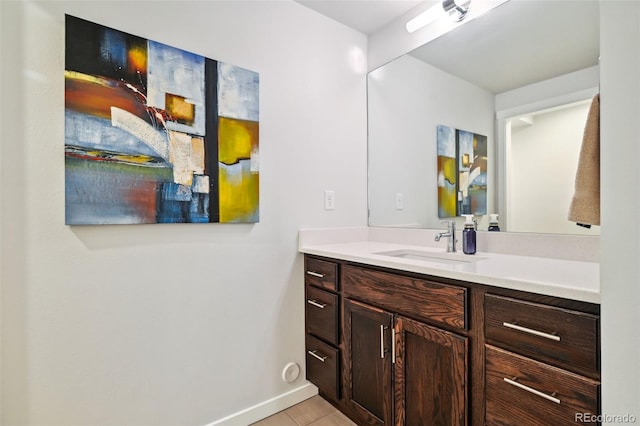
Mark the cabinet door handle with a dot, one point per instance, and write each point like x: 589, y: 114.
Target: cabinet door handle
x: 382, y: 350
x: 316, y: 304
x: 320, y: 358
x: 531, y: 390
x: 315, y: 274
x: 393, y: 345
x: 531, y: 331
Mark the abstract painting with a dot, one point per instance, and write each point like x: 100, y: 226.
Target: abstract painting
x: 462, y: 172
x: 447, y: 175
x: 156, y: 134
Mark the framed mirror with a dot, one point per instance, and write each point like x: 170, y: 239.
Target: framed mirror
x: 505, y: 75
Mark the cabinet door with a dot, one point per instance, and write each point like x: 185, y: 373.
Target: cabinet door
x: 367, y: 336
x: 430, y: 375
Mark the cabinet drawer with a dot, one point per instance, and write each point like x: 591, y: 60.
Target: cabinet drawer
x: 322, y: 314
x: 323, y: 367
x: 568, y: 339
x: 320, y: 273
x: 427, y: 300
x: 521, y: 391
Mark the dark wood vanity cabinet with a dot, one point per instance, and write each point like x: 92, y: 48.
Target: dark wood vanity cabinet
x: 542, y: 363
x: 322, y: 326
x: 399, y: 369
x: 390, y: 347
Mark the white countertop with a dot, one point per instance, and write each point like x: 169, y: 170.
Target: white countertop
x: 571, y: 279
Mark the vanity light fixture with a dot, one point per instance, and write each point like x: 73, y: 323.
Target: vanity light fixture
x: 425, y: 18
x: 456, y: 8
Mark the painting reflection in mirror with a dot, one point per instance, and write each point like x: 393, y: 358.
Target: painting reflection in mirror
x: 462, y: 172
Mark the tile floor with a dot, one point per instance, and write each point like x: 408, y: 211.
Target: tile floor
x: 315, y: 411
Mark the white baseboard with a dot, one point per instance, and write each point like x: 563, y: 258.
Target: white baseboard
x: 268, y: 407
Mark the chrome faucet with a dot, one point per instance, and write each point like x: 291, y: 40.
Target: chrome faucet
x: 451, y: 234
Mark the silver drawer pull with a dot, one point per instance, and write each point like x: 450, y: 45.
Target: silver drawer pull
x: 315, y: 274
x: 316, y: 304
x: 531, y: 390
x: 531, y: 331
x: 316, y: 356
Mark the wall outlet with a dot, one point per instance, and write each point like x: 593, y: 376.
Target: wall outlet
x: 399, y: 201
x: 329, y: 200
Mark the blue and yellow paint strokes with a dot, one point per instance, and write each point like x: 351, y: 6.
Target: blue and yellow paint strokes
x: 238, y: 144
x: 462, y: 172
x: 447, y: 175
x: 155, y: 134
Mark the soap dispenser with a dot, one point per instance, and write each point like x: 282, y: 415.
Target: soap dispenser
x: 469, y: 235
x: 493, y: 222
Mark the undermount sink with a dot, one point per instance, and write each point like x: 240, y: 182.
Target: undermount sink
x: 429, y: 256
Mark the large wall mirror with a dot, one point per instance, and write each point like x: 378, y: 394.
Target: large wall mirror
x: 523, y: 75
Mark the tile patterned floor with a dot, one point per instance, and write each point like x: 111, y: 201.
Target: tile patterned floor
x: 314, y: 411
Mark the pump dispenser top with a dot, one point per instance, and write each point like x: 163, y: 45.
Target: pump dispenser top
x: 468, y: 221
x: 493, y: 222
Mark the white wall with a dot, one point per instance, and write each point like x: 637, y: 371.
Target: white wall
x: 407, y: 100
x: 170, y: 324
x: 620, y: 204
x: 543, y: 95
x: 543, y: 158
x: 560, y: 90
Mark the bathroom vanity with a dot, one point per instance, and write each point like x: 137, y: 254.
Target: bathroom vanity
x: 407, y: 335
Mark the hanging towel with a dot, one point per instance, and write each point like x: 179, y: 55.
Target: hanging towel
x: 585, y: 205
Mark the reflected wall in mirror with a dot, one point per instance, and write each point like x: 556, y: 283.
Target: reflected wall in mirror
x: 542, y: 150
x: 483, y: 77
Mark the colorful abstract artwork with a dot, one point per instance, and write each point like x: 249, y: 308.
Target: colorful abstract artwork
x: 447, y: 174
x: 462, y: 172
x: 155, y: 134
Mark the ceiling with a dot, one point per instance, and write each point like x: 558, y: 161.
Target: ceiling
x: 518, y: 43
x: 366, y: 16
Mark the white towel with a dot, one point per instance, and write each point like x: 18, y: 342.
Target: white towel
x: 585, y: 205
